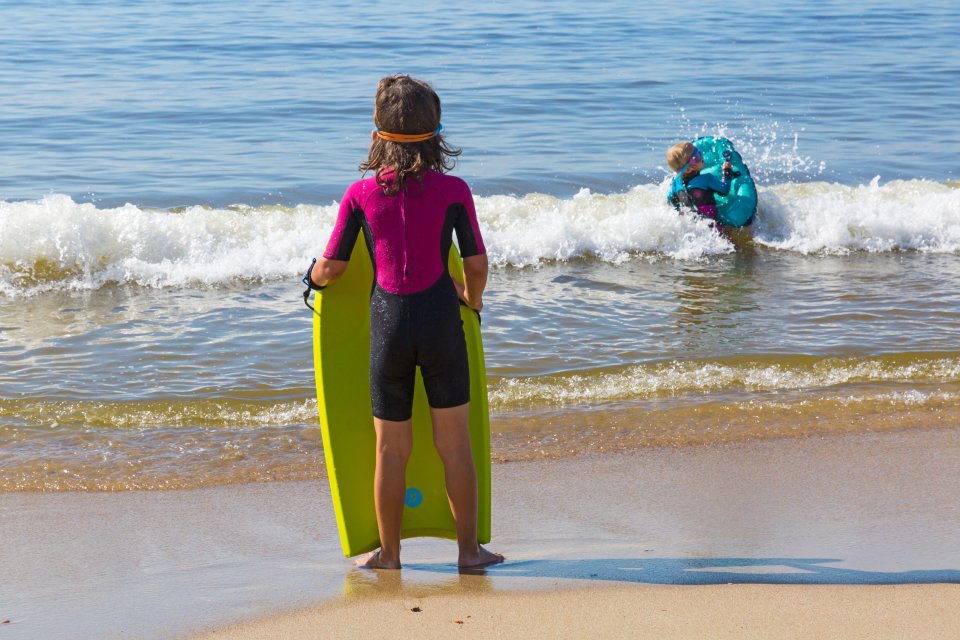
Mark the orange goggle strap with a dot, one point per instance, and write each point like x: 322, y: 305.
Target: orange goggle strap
x: 409, y: 137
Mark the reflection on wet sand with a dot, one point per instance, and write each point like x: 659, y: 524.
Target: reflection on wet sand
x: 416, y: 581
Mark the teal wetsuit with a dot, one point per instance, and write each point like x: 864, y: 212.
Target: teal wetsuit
x: 698, y: 193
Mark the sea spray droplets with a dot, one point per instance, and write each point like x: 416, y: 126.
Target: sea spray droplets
x: 773, y: 157
x: 768, y: 147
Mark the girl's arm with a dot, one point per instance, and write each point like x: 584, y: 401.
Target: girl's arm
x: 326, y: 271
x: 721, y: 187
x: 475, y: 265
x: 475, y: 270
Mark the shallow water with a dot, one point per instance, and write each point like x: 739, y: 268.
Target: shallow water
x: 136, y: 387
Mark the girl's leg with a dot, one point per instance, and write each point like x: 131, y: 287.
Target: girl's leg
x: 451, y: 436
x: 394, y: 444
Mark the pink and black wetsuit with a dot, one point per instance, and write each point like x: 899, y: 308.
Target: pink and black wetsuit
x: 414, y: 309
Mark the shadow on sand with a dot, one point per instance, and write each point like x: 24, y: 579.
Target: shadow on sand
x: 703, y: 571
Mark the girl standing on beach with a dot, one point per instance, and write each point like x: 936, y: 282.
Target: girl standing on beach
x: 408, y: 212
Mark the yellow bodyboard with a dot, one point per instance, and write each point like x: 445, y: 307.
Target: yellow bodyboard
x: 341, y: 350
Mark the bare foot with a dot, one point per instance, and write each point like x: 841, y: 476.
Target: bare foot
x: 483, y: 558
x: 373, y: 561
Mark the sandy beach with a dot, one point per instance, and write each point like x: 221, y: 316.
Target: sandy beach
x: 820, y: 537
x: 741, y: 611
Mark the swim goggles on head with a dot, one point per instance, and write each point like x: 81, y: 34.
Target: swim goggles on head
x: 409, y: 137
x: 696, y: 156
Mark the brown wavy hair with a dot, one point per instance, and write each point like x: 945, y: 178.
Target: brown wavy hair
x: 409, y: 106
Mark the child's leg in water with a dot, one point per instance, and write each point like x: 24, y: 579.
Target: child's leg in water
x: 451, y: 436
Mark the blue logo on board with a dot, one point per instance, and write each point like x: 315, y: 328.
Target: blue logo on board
x: 414, y: 497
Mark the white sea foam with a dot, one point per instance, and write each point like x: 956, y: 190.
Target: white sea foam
x: 56, y: 242
x: 201, y: 413
x: 831, y: 218
x: 537, y: 228
x: 638, y: 382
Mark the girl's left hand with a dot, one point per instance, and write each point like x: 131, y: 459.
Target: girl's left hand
x: 462, y: 294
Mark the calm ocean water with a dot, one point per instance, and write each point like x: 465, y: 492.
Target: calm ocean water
x: 168, y: 170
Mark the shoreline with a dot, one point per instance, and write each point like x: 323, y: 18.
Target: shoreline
x: 807, y: 513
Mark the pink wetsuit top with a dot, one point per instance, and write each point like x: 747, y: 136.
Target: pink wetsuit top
x: 409, y: 233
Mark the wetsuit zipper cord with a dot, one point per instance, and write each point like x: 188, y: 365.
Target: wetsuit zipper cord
x: 403, y: 226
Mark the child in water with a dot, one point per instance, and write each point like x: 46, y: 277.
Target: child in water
x: 692, y: 190
x: 408, y: 211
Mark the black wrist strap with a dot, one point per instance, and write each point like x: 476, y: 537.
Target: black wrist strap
x: 311, y: 286
x: 307, y: 280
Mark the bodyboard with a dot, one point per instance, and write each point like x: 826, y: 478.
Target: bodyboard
x: 739, y: 206
x: 341, y: 348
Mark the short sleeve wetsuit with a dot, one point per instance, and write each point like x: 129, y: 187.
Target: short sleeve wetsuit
x: 414, y: 308
x: 698, y: 193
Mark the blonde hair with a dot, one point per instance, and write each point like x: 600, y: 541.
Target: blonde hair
x: 679, y: 155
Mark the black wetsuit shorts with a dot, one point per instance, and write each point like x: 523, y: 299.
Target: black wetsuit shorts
x: 419, y: 329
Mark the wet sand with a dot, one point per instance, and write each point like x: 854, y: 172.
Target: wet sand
x: 812, y: 521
